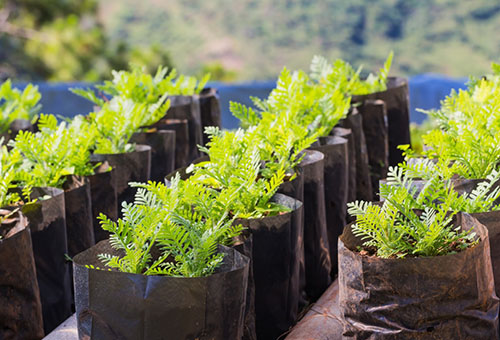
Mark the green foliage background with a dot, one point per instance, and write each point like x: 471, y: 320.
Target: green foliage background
x: 256, y: 38
x: 63, y: 40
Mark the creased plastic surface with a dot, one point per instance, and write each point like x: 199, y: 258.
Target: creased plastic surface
x: 397, y: 101
x: 132, y: 166
x: 79, y: 225
x: 276, y: 269
x: 244, y: 244
x: 188, y: 107
x: 48, y: 234
x: 316, y: 247
x: 21, y: 309
x: 180, y: 127
x: 210, y: 110
x: 443, y: 297
x: 162, y: 143
x: 376, y: 133
x: 336, y: 181
x: 104, y: 198
x: 354, y: 122
x: 295, y: 189
x: 351, y: 155
x: 115, y: 305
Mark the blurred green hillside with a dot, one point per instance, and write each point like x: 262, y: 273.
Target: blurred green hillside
x: 255, y: 38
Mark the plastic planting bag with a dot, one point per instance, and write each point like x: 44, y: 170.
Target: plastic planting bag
x: 116, y: 305
x: 180, y: 127
x: 162, y: 143
x: 47, y: 224
x: 188, y: 108
x: 354, y: 122
x: 351, y: 155
x: 316, y: 248
x: 244, y: 244
x: 336, y: 179
x: 276, y: 269
x: 21, y: 309
x: 375, y: 128
x: 295, y: 189
x: 441, y: 297
x: 104, y: 199
x: 78, y: 209
x: 210, y: 110
x: 132, y: 166
x: 397, y: 103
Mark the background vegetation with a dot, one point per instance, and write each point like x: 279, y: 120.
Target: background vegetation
x: 244, y: 39
x: 255, y: 38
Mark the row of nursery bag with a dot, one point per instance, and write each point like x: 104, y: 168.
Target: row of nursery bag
x: 433, y: 240
x: 274, y: 190
x: 57, y: 180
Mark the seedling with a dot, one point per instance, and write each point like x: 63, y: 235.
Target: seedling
x: 15, y: 104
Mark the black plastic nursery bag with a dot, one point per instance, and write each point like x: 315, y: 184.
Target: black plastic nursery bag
x: 116, y: 305
x: 336, y: 182
x: 276, y: 269
x: 104, y: 198
x: 188, y: 107
x: 21, y: 308
x: 351, y: 155
x: 162, y: 143
x: 442, y: 297
x: 354, y: 122
x: 180, y: 127
x: 48, y: 234
x: 132, y: 166
x: 210, y: 110
x: 78, y: 209
x: 316, y: 247
x: 397, y: 102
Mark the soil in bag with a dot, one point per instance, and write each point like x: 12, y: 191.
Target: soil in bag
x: 336, y: 181
x: 132, y: 166
x: 141, y: 307
x: 351, y: 155
x: 47, y: 224
x: 397, y: 102
x: 244, y: 244
x: 275, y: 269
x: 103, y: 196
x: 375, y: 128
x: 78, y: 209
x: 21, y: 309
x: 354, y: 122
x: 188, y: 107
x: 210, y: 110
x: 316, y: 248
x: 441, y: 297
x: 162, y: 143
x: 180, y: 127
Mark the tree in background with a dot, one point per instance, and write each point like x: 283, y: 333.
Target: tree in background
x: 62, y: 40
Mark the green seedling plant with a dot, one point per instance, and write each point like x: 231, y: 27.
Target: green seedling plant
x: 51, y: 154
x: 317, y: 108
x: 341, y: 75
x: 397, y: 230
x: 119, y: 118
x: 435, y: 187
x: 141, y: 87
x: 163, y: 219
x: 468, y: 132
x: 15, y: 104
x: 235, y: 163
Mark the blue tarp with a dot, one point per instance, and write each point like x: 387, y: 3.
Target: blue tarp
x: 426, y: 92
